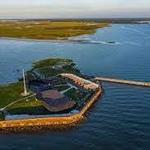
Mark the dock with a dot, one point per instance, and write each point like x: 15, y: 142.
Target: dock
x: 119, y: 81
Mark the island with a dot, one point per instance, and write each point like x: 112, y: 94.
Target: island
x: 47, y: 29
x: 58, y: 94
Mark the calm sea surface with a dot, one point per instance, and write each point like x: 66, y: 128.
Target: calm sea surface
x: 121, y: 118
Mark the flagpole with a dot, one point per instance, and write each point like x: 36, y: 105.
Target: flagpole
x: 25, y: 93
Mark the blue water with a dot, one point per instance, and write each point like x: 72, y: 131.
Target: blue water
x: 121, y: 118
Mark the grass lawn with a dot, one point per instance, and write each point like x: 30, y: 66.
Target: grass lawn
x: 2, y: 116
x: 50, y: 62
x: 26, y: 103
x: 76, y: 94
x: 44, y: 67
x: 30, y: 106
x: 47, y: 29
x: 10, y: 93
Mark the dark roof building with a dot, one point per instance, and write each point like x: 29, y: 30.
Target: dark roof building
x: 54, y: 101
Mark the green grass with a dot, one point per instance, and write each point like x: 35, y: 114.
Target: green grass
x: 31, y: 102
x: 47, y: 29
x: 10, y: 93
x: 2, y: 116
x: 30, y: 106
x: 72, y: 94
x: 50, y: 62
x: 44, y: 67
x: 75, y: 94
x: 78, y: 95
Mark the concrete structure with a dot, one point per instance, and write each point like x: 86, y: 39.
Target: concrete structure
x: 87, y: 84
x: 129, y: 82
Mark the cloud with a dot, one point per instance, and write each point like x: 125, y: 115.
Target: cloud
x: 73, y: 8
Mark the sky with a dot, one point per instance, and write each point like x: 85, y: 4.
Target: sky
x: 14, y: 9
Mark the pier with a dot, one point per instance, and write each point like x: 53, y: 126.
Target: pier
x: 128, y: 82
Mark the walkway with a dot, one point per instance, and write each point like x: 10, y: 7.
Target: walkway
x: 129, y: 82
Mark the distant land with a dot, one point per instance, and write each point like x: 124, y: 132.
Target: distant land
x: 58, y: 29
x: 46, y: 29
x: 104, y: 20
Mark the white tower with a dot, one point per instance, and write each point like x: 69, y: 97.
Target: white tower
x: 25, y: 93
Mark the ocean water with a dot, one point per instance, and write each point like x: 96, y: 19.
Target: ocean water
x: 121, y: 118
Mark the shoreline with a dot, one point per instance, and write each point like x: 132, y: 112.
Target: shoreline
x: 34, y: 40
x: 47, y: 30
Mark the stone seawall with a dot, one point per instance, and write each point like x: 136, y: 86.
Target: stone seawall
x: 51, y: 121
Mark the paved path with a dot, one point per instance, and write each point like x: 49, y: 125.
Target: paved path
x: 10, y: 104
x: 129, y: 82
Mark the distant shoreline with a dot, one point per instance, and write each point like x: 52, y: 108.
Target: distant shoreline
x: 98, y: 20
x: 33, y: 40
x: 47, y: 30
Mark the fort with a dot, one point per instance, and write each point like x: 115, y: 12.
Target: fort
x: 60, y: 95
x: 59, y: 120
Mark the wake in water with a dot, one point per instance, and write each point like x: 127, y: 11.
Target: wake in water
x: 86, y: 39
x: 89, y: 41
x: 105, y: 43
